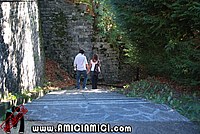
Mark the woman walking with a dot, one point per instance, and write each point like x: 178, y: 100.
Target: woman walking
x: 95, y: 70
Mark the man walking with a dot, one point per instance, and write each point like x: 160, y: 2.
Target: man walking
x: 81, y: 66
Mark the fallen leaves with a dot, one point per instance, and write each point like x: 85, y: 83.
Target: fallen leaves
x: 57, y: 77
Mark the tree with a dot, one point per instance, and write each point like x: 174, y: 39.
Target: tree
x: 164, y: 36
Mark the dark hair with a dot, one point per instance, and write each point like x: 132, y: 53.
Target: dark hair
x: 81, y: 51
x: 15, y: 108
x: 95, y: 57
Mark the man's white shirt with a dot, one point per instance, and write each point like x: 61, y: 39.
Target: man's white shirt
x: 80, y: 62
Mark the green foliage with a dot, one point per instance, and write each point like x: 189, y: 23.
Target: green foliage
x: 185, y: 64
x: 60, y: 24
x: 186, y: 104
x: 87, y: 2
x: 11, y: 97
x: 25, y: 95
x: 108, y: 28
x: 163, y: 36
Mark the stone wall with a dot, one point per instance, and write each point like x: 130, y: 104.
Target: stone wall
x: 64, y: 32
x: 21, y: 58
x: 109, y: 61
x: 66, y: 27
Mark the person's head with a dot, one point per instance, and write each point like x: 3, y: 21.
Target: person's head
x: 95, y: 57
x: 15, y: 108
x: 81, y: 51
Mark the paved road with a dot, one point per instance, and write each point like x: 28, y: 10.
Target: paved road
x: 107, y: 108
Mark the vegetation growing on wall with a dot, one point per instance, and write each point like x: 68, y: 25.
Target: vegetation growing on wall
x: 60, y: 25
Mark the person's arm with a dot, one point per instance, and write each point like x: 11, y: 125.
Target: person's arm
x: 75, y: 65
x: 88, y: 66
x: 75, y: 68
x: 99, y: 66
